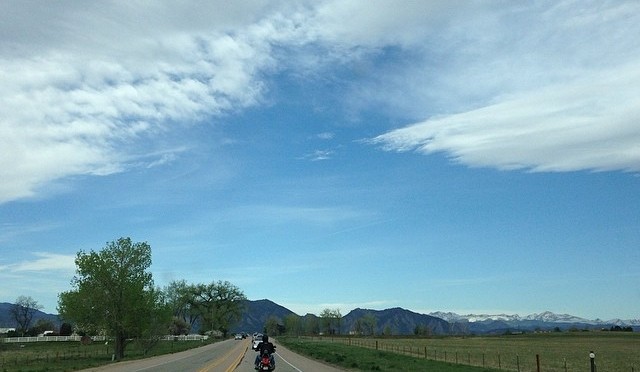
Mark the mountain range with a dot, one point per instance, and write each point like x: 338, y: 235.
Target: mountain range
x: 399, y: 321
x: 545, y: 317
x: 7, y: 321
x: 545, y: 321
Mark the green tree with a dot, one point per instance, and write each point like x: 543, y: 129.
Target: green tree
x: 422, y: 330
x: 41, y: 326
x: 66, y: 329
x: 220, y: 304
x: 311, y: 324
x: 178, y: 327
x: 181, y: 299
x: 388, y: 331
x: 271, y: 325
x: 114, y: 293
x: 331, y: 319
x: 292, y: 325
x: 369, y: 324
x: 23, y: 311
x: 357, y: 327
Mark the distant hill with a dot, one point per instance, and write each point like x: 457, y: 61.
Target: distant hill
x: 5, y: 316
x: 400, y: 321
x: 7, y: 321
x: 256, y: 314
x: 397, y: 320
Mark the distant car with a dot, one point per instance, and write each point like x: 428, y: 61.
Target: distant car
x: 257, y: 338
x: 254, y: 345
x: 238, y: 336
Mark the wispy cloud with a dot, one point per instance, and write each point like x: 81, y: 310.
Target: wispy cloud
x: 40, y: 276
x: 532, y: 86
x: 11, y: 231
x: 318, y: 155
x: 44, y: 262
x: 281, y: 214
x: 76, y: 109
x: 326, y: 135
x: 586, y: 124
x: 563, y: 97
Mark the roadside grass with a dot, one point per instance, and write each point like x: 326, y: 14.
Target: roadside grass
x: 364, y: 359
x: 562, y: 352
x: 57, y: 356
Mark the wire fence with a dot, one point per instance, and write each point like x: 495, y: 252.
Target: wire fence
x: 18, y: 360
x: 21, y: 340
x: 508, y: 361
x: 58, y: 353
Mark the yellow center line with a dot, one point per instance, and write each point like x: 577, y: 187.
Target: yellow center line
x: 236, y: 362
x: 217, y: 361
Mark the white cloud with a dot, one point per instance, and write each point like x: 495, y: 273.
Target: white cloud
x: 326, y: 135
x: 587, y: 124
x: 387, y: 22
x: 71, y: 106
x: 535, y: 87
x: 45, y: 262
x: 41, y: 277
x: 11, y: 231
x: 282, y: 214
x: 318, y: 155
x: 84, y: 84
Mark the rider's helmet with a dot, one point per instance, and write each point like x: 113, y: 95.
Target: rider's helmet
x: 265, y: 338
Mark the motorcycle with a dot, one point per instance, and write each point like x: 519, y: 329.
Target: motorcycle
x: 264, y: 363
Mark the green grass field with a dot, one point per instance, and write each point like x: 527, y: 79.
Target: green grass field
x: 619, y: 352
x: 365, y: 359
x: 73, y: 356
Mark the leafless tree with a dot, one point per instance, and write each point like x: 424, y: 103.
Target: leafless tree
x: 23, y: 311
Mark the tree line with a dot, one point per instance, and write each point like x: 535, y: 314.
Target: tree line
x: 113, y: 294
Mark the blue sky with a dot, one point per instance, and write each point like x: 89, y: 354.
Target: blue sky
x: 469, y: 157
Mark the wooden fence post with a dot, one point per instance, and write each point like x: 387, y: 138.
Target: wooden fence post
x: 538, y: 362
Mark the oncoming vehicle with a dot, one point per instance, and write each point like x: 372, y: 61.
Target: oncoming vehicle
x: 257, y: 338
x: 238, y: 336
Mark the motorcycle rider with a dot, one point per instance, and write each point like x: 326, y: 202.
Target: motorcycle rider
x: 265, y: 347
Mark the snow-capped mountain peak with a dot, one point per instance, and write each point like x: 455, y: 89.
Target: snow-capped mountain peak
x: 545, y: 317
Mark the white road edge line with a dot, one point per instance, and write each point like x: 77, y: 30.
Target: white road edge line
x: 284, y: 360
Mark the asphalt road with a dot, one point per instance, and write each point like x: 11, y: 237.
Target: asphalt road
x: 286, y: 361
x: 225, y: 356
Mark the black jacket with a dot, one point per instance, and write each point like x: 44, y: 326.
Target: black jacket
x: 267, y: 347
